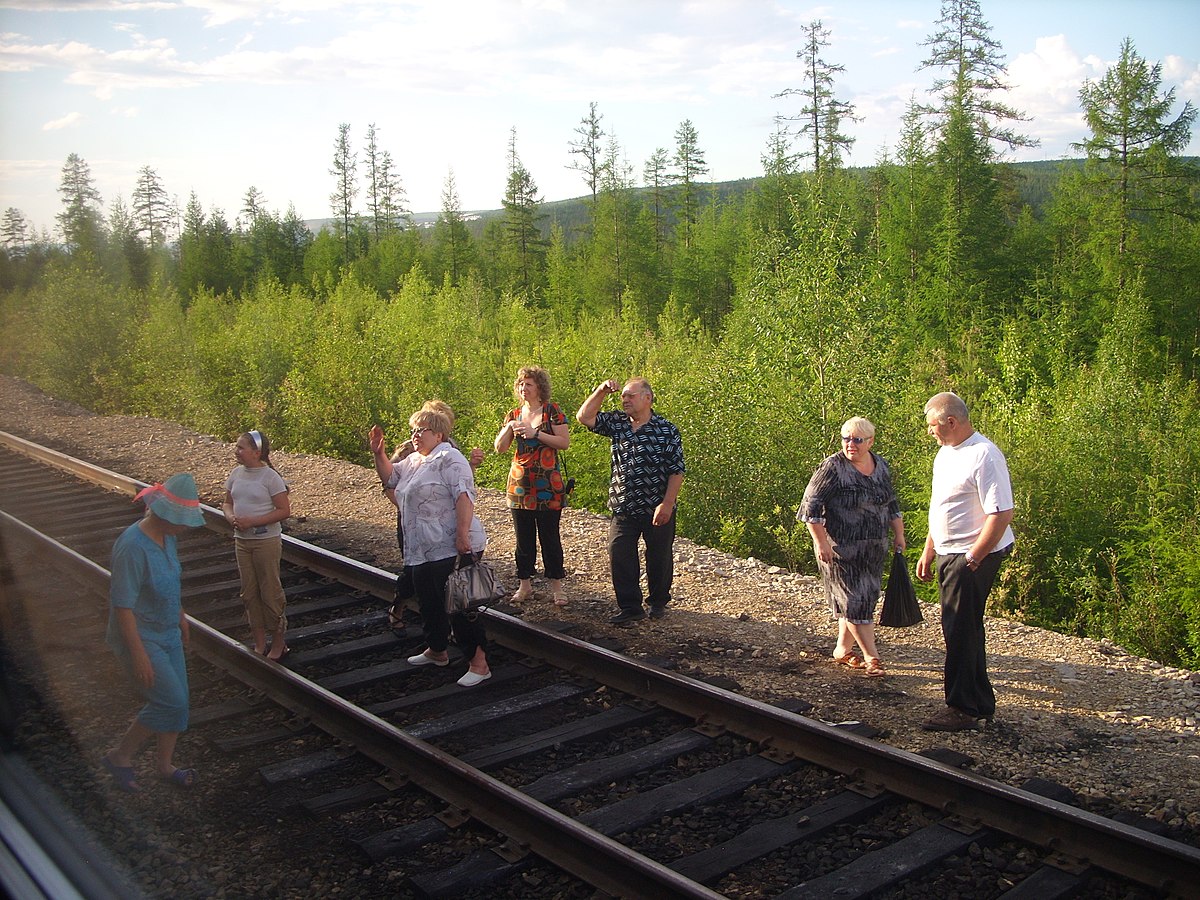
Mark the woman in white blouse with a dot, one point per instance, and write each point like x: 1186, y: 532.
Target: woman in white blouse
x: 435, y: 492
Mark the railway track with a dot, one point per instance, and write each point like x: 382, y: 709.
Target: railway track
x: 575, y: 758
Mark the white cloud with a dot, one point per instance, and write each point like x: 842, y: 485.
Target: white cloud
x: 72, y: 118
x: 1185, y: 75
x: 224, y: 12
x: 1044, y: 85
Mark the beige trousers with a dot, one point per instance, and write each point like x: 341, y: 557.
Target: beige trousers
x: 262, y: 591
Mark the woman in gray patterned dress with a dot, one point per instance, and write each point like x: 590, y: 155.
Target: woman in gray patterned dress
x: 848, y: 506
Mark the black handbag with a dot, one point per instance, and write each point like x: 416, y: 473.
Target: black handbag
x: 472, y: 585
x: 900, y: 606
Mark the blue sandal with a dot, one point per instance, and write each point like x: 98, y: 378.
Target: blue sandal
x: 123, y: 776
x: 182, y: 778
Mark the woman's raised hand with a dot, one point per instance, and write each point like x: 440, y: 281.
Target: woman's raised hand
x: 376, y: 439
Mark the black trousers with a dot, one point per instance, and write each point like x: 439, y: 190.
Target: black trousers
x: 429, y: 579
x: 533, y: 527
x: 404, y: 581
x: 624, y: 532
x: 964, y: 598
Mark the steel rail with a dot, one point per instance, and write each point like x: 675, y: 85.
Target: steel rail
x: 377, y: 582
x: 1166, y: 865
x: 587, y: 854
x: 1169, y: 866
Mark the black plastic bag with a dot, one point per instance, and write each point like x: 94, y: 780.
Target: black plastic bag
x: 900, y: 606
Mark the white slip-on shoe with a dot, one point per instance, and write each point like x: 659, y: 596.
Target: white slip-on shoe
x: 471, y: 679
x: 422, y: 660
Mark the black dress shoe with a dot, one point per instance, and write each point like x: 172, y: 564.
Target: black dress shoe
x: 627, y: 615
x: 658, y: 612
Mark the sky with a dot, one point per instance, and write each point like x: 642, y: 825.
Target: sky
x: 217, y: 96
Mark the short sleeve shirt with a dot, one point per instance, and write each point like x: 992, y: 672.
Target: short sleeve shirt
x: 146, y: 579
x: 642, y: 461
x: 252, y: 491
x: 427, y: 489
x: 970, y: 483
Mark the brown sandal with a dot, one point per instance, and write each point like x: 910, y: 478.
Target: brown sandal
x: 874, y: 669
x: 849, y: 660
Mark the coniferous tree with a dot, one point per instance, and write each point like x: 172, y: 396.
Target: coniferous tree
x: 968, y: 118
x: 153, y: 210
x: 345, y: 168
x: 522, y: 235
x: 770, y: 203
x: 393, y: 209
x: 689, y: 165
x: 127, y: 260
x: 1133, y: 168
x: 1140, y: 195
x: 386, y: 199
x: 254, y: 204
x: 589, y: 150
x: 656, y: 176
x: 451, y: 240
x: 14, y: 232
x: 80, y: 221
x: 820, y: 119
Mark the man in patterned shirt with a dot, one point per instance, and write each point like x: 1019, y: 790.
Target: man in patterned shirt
x: 647, y: 473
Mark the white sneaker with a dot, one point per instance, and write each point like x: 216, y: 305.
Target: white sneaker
x: 471, y: 679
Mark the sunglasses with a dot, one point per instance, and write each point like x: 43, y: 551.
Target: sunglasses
x: 417, y: 432
x: 847, y: 439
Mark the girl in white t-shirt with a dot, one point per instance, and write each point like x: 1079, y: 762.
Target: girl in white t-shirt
x: 256, y: 502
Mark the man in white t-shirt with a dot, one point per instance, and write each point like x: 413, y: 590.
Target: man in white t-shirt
x: 970, y: 534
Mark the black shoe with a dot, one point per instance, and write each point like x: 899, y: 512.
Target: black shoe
x: 658, y: 612
x: 626, y: 616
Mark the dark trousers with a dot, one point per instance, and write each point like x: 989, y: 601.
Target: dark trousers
x: 429, y: 579
x: 404, y: 581
x: 533, y: 527
x: 964, y: 598
x: 623, y: 535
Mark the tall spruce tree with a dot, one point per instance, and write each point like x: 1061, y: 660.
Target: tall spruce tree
x: 689, y: 166
x: 451, y: 240
x: 1133, y: 167
x: 523, y: 241
x: 80, y: 221
x: 1140, y: 196
x: 14, y: 232
x: 153, y: 212
x: 969, y: 120
x: 656, y: 177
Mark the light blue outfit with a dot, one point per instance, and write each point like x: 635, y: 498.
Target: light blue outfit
x: 146, y: 579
